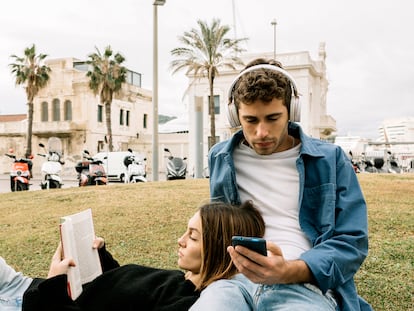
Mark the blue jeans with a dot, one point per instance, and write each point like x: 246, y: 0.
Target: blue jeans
x: 12, y: 287
x: 292, y: 297
x: 239, y: 294
x: 227, y: 295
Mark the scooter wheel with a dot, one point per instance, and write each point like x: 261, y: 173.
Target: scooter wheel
x: 53, y: 184
x: 22, y: 187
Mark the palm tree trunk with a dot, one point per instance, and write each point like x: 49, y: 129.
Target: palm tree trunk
x: 109, y: 125
x: 29, y: 130
x: 212, y: 111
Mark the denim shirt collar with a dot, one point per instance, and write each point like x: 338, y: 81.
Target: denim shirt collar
x: 308, y: 143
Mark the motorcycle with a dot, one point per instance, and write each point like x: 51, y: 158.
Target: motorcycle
x: 135, y: 168
x: 90, y: 172
x: 51, y: 168
x: 20, y: 173
x: 176, y: 167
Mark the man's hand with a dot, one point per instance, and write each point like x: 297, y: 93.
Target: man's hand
x: 270, y: 269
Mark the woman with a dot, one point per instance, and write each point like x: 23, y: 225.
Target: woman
x: 202, y: 254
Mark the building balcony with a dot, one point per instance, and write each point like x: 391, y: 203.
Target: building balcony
x: 58, y: 128
x: 327, y: 125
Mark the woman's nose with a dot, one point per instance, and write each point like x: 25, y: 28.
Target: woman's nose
x: 180, y: 241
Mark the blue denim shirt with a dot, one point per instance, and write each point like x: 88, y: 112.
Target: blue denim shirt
x: 333, y: 212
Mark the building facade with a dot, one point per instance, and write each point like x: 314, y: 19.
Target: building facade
x: 312, y: 84
x: 68, y: 109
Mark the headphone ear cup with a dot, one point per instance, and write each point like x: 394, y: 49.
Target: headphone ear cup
x: 232, y: 115
x: 294, y: 110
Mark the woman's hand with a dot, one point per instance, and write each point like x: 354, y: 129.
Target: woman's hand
x: 58, y: 265
x: 98, y: 243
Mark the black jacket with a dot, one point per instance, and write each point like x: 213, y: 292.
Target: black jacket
x: 130, y: 287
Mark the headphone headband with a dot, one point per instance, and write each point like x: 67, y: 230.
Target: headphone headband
x: 294, y: 107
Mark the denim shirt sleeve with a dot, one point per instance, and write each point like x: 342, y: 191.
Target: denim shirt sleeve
x: 333, y: 215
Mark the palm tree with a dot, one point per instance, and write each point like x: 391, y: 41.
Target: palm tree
x: 106, y: 78
x: 30, y: 72
x: 204, y: 52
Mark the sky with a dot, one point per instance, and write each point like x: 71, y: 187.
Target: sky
x: 369, y: 46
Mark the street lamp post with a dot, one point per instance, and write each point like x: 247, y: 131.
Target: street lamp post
x: 155, y: 93
x: 273, y: 23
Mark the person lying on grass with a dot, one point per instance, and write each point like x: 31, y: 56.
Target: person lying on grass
x: 202, y: 254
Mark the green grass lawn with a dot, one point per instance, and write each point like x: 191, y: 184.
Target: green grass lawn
x: 142, y: 222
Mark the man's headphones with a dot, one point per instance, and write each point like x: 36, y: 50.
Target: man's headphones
x: 293, y: 107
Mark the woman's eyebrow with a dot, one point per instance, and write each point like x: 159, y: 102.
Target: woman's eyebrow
x: 193, y: 229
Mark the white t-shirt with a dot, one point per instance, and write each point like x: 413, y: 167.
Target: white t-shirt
x: 272, y: 183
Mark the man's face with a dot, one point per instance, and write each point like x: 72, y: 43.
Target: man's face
x: 265, y: 126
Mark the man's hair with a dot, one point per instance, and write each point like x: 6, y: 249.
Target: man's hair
x: 219, y: 222
x: 262, y: 84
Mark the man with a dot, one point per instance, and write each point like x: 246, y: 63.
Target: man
x: 306, y: 190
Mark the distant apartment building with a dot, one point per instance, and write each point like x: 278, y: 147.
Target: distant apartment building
x: 396, y: 130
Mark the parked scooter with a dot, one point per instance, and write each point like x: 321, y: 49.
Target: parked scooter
x: 176, y: 167
x: 20, y: 173
x: 51, y: 168
x: 90, y: 172
x: 135, y: 167
x: 355, y: 164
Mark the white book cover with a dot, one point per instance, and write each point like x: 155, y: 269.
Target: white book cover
x: 77, y: 236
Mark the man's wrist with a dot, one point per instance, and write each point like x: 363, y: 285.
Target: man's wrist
x: 297, y: 271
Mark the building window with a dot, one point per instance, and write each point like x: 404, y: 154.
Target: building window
x: 100, y: 146
x: 145, y: 121
x: 56, y: 109
x: 100, y: 113
x: 133, y: 78
x: 121, y: 117
x: 45, y: 112
x: 127, y: 118
x: 67, y: 107
x: 216, y: 104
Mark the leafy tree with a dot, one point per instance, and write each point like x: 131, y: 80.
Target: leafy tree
x: 107, y: 76
x: 204, y: 52
x: 30, y: 72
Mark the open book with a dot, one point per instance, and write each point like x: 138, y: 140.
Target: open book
x: 77, y: 236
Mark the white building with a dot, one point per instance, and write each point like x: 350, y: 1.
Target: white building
x: 396, y: 130
x: 312, y: 84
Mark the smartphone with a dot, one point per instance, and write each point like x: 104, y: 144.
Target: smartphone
x: 255, y: 244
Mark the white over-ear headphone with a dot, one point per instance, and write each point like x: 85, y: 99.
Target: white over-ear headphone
x: 293, y: 108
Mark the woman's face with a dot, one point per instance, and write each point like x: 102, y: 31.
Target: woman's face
x: 190, y: 245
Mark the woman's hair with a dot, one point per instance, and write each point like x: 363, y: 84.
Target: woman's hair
x: 262, y: 84
x: 219, y: 222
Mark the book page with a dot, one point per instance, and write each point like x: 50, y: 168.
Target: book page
x: 78, y: 233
